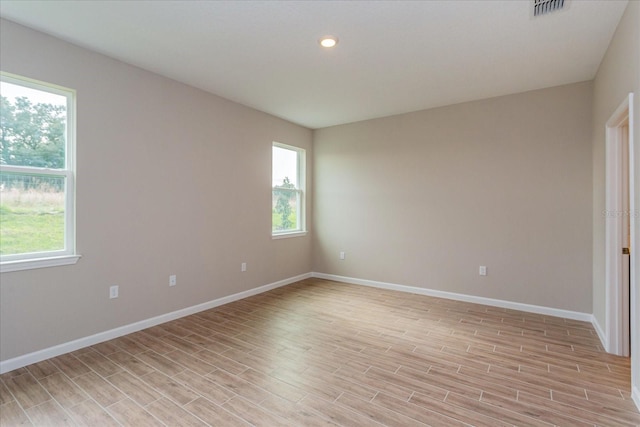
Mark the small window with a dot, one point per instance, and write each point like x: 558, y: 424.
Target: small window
x: 36, y: 173
x: 287, y: 204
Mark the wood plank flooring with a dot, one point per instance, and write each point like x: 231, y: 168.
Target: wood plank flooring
x: 319, y: 353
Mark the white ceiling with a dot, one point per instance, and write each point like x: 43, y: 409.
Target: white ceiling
x: 393, y: 56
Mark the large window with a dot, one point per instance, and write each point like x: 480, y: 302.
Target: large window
x: 287, y: 205
x: 36, y: 174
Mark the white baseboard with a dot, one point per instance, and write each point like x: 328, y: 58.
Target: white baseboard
x: 47, y: 353
x: 37, y: 356
x: 599, y: 331
x: 574, y: 315
x: 635, y: 395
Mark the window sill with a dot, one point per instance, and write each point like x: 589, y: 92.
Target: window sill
x: 287, y: 235
x: 30, y: 264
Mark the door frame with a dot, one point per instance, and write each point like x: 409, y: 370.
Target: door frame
x: 617, y: 342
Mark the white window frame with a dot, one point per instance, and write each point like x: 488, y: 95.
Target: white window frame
x: 66, y: 256
x: 300, y: 191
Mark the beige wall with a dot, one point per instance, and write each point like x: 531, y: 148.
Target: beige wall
x: 423, y: 199
x: 170, y: 180
x: 619, y: 74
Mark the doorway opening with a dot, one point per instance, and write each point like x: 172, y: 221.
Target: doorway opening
x: 620, y: 228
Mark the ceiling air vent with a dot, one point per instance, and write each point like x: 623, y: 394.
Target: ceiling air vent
x: 542, y: 7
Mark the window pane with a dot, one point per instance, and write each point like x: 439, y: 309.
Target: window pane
x: 284, y: 210
x: 32, y: 127
x: 31, y: 213
x: 285, y: 167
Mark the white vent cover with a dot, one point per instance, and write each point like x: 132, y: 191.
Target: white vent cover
x: 542, y: 7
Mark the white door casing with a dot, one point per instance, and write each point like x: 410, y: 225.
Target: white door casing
x: 619, y: 183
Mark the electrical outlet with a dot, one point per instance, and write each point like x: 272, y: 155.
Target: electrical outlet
x: 483, y: 270
x: 243, y: 266
x: 342, y: 255
x: 113, y: 292
x: 172, y: 280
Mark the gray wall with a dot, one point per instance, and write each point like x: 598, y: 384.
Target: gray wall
x: 424, y: 199
x: 170, y: 180
x: 619, y: 74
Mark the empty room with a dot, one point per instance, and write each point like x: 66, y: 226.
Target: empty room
x: 305, y: 213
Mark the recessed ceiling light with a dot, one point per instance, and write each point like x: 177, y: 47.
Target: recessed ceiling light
x: 328, y: 41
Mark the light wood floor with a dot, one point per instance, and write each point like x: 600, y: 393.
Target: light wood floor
x: 324, y: 353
